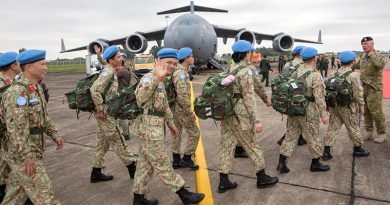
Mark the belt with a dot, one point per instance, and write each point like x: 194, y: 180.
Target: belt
x: 311, y: 99
x: 237, y: 95
x: 156, y: 113
x: 37, y: 130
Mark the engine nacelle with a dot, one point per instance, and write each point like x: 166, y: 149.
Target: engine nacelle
x: 136, y: 43
x: 283, y: 43
x: 246, y: 35
x: 100, y: 43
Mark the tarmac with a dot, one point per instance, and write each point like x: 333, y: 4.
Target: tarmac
x: 360, y: 181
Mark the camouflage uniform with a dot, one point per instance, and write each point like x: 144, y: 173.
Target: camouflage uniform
x: 371, y: 75
x: 258, y: 86
x: 108, y: 131
x: 241, y: 126
x: 183, y: 113
x: 150, y: 129
x: 347, y: 115
x: 4, y: 168
x: 25, y: 113
x: 309, y: 125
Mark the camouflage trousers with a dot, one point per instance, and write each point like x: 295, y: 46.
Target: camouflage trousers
x: 348, y: 116
x: 373, y: 111
x: 231, y: 133
x: 4, y: 170
x: 182, y: 121
x: 108, y: 135
x: 153, y: 157
x: 38, y: 188
x: 309, y: 125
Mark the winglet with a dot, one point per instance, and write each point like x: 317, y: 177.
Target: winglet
x: 62, y: 45
x: 319, y: 37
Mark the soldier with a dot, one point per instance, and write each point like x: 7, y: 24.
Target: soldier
x: 243, y: 125
x: 325, y: 65
x: 108, y: 132
x: 348, y: 115
x: 26, y: 119
x: 371, y: 64
x: 181, y: 109
x: 265, y: 67
x: 332, y: 61
x: 150, y: 129
x: 309, y: 124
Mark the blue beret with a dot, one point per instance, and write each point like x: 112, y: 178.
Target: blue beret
x: 31, y: 56
x: 297, y: 50
x: 124, y: 54
x: 347, y: 56
x: 242, y: 46
x: 167, y: 53
x: 183, y: 53
x: 110, y: 52
x: 308, y: 53
x: 7, y: 58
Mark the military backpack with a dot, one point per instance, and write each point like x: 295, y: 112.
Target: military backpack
x: 124, y: 106
x: 170, y: 90
x: 290, y: 98
x: 216, y: 101
x: 285, y: 75
x: 338, y: 90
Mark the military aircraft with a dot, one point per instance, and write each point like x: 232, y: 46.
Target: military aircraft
x: 192, y: 30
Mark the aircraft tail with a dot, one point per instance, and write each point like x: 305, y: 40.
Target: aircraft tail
x: 62, y: 45
x: 191, y: 8
x: 319, y: 37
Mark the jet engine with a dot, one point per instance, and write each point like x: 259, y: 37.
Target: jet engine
x: 283, y: 43
x: 136, y: 43
x: 100, y: 43
x: 246, y: 35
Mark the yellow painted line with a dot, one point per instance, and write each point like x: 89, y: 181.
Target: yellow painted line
x: 202, y: 174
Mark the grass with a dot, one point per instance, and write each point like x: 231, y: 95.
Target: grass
x: 66, y: 68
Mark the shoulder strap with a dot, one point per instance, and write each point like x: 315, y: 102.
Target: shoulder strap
x: 304, y: 75
x: 235, y: 71
x: 347, y: 73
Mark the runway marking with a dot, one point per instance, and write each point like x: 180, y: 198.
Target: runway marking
x: 202, y: 174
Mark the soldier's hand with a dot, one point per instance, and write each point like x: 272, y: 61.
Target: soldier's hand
x: 60, y: 143
x: 97, y: 49
x: 370, y: 53
x: 269, y: 103
x: 29, y: 168
x: 101, y: 115
x: 258, y: 127
x: 161, y: 70
x: 174, y: 131
x: 325, y: 120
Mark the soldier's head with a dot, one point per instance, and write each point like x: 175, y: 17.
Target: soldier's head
x: 309, y: 55
x: 367, y: 44
x: 242, y: 51
x: 33, y: 64
x: 296, y: 51
x: 123, y: 58
x: 168, y: 58
x: 8, y: 63
x: 185, y: 56
x: 113, y: 57
x: 347, y: 57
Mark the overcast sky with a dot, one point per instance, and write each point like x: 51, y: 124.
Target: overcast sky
x: 41, y: 24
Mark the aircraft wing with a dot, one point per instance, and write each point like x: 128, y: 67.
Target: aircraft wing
x: 154, y: 35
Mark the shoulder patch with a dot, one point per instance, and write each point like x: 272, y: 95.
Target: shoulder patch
x: 21, y: 101
x: 182, y: 76
x: 146, y: 80
x: 250, y: 73
x: 104, y: 73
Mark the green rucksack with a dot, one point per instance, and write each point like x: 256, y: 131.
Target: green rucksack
x: 290, y: 98
x: 285, y: 75
x: 170, y: 90
x: 80, y: 99
x: 338, y: 91
x: 124, y: 106
x: 216, y: 101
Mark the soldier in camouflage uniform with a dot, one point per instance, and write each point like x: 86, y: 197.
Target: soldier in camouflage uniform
x: 108, y: 131
x: 150, y: 129
x: 348, y: 115
x: 26, y: 118
x: 181, y: 109
x: 371, y: 64
x: 243, y: 125
x: 309, y: 124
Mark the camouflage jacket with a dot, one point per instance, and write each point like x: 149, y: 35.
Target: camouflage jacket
x: 182, y: 85
x: 108, y: 74
x: 371, y: 68
x: 4, y: 80
x: 259, y: 88
x: 151, y: 96
x: 315, y: 87
x: 25, y: 110
x: 296, y: 63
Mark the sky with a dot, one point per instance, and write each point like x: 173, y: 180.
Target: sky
x: 40, y: 24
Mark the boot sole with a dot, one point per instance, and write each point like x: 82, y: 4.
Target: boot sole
x: 96, y: 181
x: 283, y: 171
x: 318, y: 170
x: 194, y: 202
x: 267, y: 185
x: 183, y: 164
x: 226, y: 189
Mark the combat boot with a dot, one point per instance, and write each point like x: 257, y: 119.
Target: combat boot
x: 186, y: 161
x: 280, y: 141
x: 2, y: 192
x: 327, y: 155
x: 176, y: 161
x: 98, y: 176
x: 225, y: 184
x: 360, y: 152
x: 132, y: 168
x: 139, y: 199
x: 240, y: 152
x: 282, y: 166
x: 369, y: 135
x: 188, y: 197
x: 316, y: 166
x: 380, y: 138
x: 264, y: 180
x: 301, y: 140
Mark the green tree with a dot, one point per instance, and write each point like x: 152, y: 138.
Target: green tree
x: 154, y: 50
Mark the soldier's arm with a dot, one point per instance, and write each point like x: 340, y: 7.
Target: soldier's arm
x: 259, y: 88
x: 357, y: 88
x: 145, y: 89
x: 101, y: 60
x: 183, y: 96
x: 319, y: 93
x: 248, y: 95
x: 98, y: 87
x: 168, y: 115
x: 378, y: 60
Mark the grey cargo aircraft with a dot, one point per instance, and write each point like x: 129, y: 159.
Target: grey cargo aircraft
x: 191, y: 30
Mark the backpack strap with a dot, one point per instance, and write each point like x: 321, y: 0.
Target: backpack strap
x: 108, y: 86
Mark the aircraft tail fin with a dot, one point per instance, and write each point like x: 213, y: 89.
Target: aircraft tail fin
x: 319, y: 37
x: 62, y: 45
x: 191, y: 8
